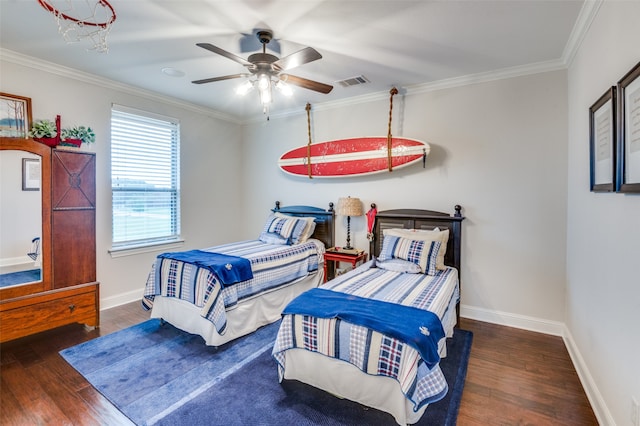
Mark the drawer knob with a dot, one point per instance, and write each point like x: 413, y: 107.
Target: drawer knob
x: 72, y: 307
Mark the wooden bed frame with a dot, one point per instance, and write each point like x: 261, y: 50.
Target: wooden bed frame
x: 325, y: 220
x: 423, y: 219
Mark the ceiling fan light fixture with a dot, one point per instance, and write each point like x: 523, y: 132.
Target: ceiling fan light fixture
x: 263, y: 82
x: 244, y: 88
x: 264, y: 86
x: 265, y: 96
x: 284, y: 88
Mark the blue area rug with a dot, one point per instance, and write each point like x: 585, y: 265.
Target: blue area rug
x: 157, y: 374
x: 21, y: 277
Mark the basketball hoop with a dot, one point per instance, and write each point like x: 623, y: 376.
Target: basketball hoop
x: 80, y: 20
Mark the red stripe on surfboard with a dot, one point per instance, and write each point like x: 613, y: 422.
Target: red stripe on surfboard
x: 343, y: 146
x: 347, y: 168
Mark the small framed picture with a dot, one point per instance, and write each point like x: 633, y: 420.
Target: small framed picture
x: 602, y: 135
x: 628, y: 169
x: 15, y: 116
x: 31, y: 174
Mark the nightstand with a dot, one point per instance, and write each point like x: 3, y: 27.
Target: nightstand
x: 335, y: 255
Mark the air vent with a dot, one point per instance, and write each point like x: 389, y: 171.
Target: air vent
x: 354, y: 81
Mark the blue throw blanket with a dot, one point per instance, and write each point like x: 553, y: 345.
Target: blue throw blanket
x: 418, y: 328
x: 228, y: 269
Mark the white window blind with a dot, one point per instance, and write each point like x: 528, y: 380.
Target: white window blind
x: 145, y: 184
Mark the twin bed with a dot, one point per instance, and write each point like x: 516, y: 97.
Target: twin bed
x: 193, y: 298
x: 374, y: 335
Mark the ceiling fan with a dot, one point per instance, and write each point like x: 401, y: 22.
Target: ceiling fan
x: 269, y: 69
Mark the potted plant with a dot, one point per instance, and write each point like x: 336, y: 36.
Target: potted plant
x: 75, y: 136
x: 45, y: 131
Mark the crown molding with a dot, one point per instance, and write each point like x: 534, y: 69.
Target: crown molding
x: 585, y: 18
x: 505, y: 73
x: 31, y: 62
x: 501, y: 74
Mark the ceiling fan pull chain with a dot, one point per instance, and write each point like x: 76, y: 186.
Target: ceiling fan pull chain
x: 308, y: 108
x: 393, y: 91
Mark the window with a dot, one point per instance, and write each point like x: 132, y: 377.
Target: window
x: 145, y: 184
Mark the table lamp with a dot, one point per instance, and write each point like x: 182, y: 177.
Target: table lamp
x: 349, y: 207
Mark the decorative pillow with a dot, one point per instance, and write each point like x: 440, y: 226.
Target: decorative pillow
x: 424, y: 235
x: 308, y: 230
x: 422, y: 253
x: 288, y: 229
x: 276, y: 239
x: 399, y: 265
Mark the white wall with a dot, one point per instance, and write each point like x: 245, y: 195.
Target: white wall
x: 497, y: 148
x: 603, y: 243
x: 211, y: 172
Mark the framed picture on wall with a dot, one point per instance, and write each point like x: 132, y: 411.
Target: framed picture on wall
x: 15, y: 116
x: 628, y: 168
x: 31, y: 173
x: 602, y: 135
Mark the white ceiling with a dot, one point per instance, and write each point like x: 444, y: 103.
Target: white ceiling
x: 392, y: 43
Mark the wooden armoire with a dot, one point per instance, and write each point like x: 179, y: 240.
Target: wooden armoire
x: 68, y: 291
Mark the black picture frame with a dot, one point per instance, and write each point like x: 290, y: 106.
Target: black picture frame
x: 628, y: 164
x: 602, y: 142
x: 31, y: 174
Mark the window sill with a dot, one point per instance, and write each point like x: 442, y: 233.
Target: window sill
x: 147, y: 248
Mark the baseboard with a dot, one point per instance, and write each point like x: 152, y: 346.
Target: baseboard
x: 120, y: 299
x: 593, y: 394
x: 508, y: 319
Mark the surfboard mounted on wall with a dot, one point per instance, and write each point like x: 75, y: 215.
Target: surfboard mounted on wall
x: 353, y: 157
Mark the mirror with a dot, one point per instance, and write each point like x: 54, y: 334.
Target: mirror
x: 21, y: 218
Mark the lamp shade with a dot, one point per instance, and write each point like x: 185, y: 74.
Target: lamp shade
x: 350, y: 207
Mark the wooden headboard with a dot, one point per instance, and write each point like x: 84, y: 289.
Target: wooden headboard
x: 325, y: 220
x: 422, y: 219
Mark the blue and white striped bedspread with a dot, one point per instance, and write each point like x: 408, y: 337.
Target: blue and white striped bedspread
x: 272, y: 266
x: 373, y: 352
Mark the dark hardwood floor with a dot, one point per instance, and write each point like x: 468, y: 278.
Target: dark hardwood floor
x: 515, y: 377
x: 518, y: 377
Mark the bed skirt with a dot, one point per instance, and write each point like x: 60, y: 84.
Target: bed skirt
x: 246, y: 317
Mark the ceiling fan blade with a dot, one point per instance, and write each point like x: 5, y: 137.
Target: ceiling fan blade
x: 215, y: 49
x: 307, y: 84
x: 224, y: 77
x: 304, y: 56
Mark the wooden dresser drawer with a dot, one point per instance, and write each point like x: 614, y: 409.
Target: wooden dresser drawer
x: 28, y: 315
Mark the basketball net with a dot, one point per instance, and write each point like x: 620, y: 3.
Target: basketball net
x: 83, y: 20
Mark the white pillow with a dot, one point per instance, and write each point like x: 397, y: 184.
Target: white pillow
x: 309, y: 228
x: 424, y: 235
x: 399, y: 265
